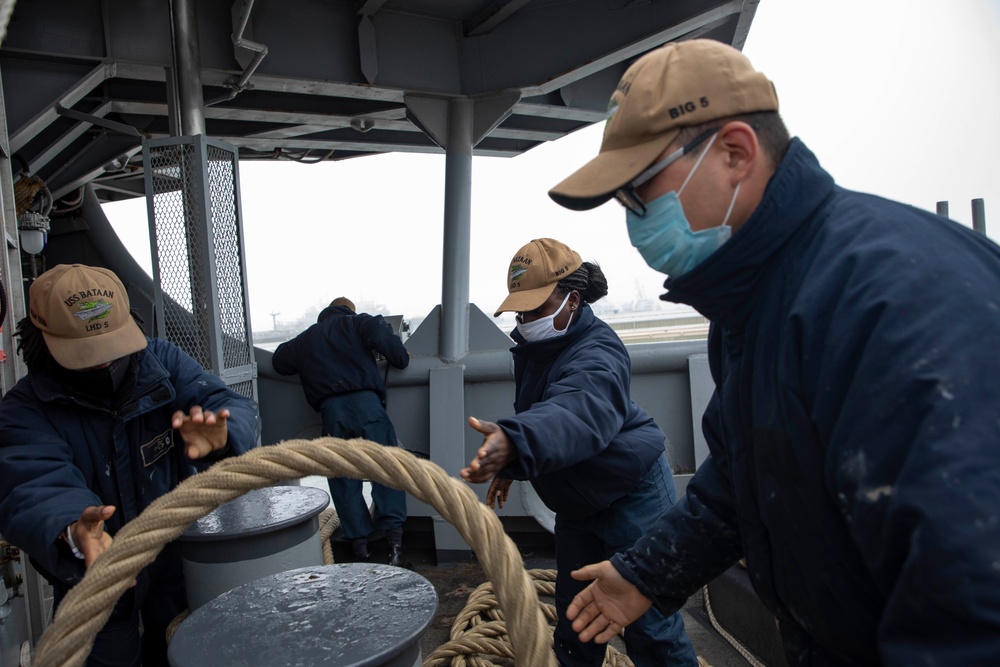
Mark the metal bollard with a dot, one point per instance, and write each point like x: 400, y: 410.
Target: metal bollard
x: 262, y: 532
x: 348, y: 615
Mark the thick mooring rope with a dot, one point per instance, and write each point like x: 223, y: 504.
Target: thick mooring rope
x: 479, y: 632
x: 87, y: 606
x: 328, y: 524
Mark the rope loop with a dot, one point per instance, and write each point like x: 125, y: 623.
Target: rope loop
x: 87, y: 606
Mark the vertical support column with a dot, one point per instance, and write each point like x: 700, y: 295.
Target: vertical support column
x: 446, y: 386
x: 187, y: 64
x: 10, y: 263
x: 457, y: 231
x: 38, y: 593
x: 457, y: 125
x: 942, y: 208
x: 979, y: 216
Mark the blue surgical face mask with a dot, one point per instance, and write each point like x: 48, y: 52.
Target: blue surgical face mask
x: 664, y: 237
x: 544, y: 327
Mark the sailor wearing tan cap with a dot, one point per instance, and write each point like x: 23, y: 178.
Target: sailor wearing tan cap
x: 853, y: 431
x: 104, y: 423
x: 594, y: 456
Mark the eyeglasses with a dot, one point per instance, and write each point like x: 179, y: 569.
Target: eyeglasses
x: 627, y: 195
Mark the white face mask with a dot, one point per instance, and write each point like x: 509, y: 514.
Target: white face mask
x: 544, y: 327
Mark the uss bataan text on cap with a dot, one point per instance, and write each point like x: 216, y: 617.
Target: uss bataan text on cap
x: 676, y: 86
x: 83, y: 314
x: 534, y: 272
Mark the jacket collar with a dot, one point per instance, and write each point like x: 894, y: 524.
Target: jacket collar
x: 724, y: 287
x: 334, y: 310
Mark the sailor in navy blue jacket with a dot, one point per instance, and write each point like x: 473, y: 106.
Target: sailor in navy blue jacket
x: 60, y: 454
x: 594, y: 456
x: 854, y: 430
x: 580, y: 438
x: 104, y: 423
x: 334, y: 356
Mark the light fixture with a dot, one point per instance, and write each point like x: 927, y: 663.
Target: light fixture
x: 362, y: 124
x: 34, y: 231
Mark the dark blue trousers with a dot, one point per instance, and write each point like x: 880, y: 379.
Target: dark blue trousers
x: 653, y: 640
x: 360, y: 414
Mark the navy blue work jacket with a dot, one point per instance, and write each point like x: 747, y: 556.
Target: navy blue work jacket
x: 854, y: 432
x: 60, y: 454
x: 580, y: 438
x: 335, y: 355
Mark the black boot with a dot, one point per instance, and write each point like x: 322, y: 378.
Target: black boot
x: 360, y: 549
x: 396, y: 558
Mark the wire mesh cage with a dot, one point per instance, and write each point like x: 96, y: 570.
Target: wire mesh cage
x: 199, y: 267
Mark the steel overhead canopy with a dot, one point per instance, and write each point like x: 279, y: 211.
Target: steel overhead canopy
x: 334, y: 78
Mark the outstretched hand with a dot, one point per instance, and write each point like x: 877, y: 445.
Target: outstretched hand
x: 601, y: 610
x: 88, y: 532
x: 494, y: 454
x: 499, y: 490
x: 203, y: 431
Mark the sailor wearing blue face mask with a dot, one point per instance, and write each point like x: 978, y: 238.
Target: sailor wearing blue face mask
x: 593, y: 455
x: 846, y: 401
x: 660, y: 231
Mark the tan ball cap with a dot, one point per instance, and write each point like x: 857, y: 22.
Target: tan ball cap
x: 83, y: 314
x: 344, y: 302
x: 534, y: 272
x: 675, y: 86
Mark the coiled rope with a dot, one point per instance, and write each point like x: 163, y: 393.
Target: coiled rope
x: 329, y: 522
x: 479, y: 633
x: 87, y: 606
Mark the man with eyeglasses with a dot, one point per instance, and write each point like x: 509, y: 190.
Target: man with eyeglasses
x: 854, y: 428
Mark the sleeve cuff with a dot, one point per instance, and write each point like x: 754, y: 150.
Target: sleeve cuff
x: 221, y: 453
x: 623, y: 563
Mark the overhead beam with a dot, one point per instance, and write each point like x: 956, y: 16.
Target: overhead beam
x: 693, y: 27
x: 134, y: 188
x: 100, y: 121
x: 560, y: 112
x: 405, y: 126
x: 63, y: 142
x: 49, y: 114
x: 312, y: 123
x: 494, y: 16
x: 278, y: 84
x: 743, y: 25
x: 265, y: 146
x: 371, y: 7
x: 384, y: 119
x: 88, y: 176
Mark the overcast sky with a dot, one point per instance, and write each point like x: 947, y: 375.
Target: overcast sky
x: 896, y: 97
